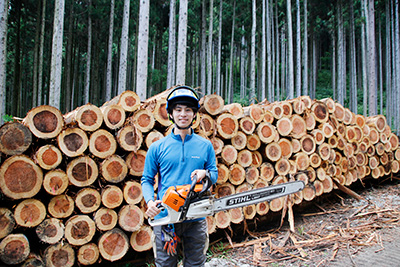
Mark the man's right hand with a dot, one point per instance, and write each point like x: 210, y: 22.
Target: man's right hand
x: 152, y: 209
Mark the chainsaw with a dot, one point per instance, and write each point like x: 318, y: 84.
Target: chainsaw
x: 188, y: 202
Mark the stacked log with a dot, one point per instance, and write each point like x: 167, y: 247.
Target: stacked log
x: 71, y: 183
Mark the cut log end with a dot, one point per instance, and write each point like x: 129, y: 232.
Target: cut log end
x: 15, y: 138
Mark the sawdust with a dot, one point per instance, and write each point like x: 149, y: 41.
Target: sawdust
x: 333, y: 228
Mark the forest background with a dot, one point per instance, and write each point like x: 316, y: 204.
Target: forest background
x: 68, y: 53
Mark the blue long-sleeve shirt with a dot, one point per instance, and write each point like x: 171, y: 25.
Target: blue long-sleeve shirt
x: 174, y: 161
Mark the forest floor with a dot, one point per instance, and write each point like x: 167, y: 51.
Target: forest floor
x: 334, y: 230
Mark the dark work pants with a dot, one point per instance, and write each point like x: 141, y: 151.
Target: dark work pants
x: 194, y: 242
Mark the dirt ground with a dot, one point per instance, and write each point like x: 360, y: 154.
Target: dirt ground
x: 334, y: 230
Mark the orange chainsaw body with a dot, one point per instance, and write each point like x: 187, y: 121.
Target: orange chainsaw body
x: 176, y: 195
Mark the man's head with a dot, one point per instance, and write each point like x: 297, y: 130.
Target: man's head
x: 182, y: 97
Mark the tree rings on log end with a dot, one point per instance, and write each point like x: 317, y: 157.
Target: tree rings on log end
x: 130, y: 218
x: 141, y: 240
x: 114, y: 169
x: 129, y: 138
x: 113, y: 115
x: 113, y: 245
x: 82, y: 171
x: 79, y: 230
x: 227, y: 125
x: 102, y: 144
x: 44, y: 121
x: 20, y: 177
x: 15, y: 138
x: 222, y: 219
x: 229, y: 154
x: 50, y: 230
x: 89, y: 117
x: 7, y: 222
x: 88, y: 200
x: 73, y: 142
x: 61, y: 206
x: 48, y: 157
x: 29, y: 213
x: 88, y: 254
x: 60, y: 254
x: 143, y: 120
x: 14, y: 249
x: 213, y: 104
x: 133, y: 192
x: 152, y: 137
x: 112, y: 196
x: 135, y: 162
x: 105, y: 219
x: 129, y: 100
x: 55, y: 182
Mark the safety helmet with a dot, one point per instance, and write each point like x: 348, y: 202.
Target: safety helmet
x: 184, y: 95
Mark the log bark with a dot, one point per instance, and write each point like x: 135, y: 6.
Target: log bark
x: 141, y: 240
x: 88, y: 254
x: 82, y: 171
x: 50, y: 231
x: 14, y: 249
x: 29, y: 213
x: 105, y: 219
x: 79, y: 230
x: 20, y: 177
x: 7, y: 222
x: 88, y: 200
x: 102, y: 144
x: 15, y: 138
x: 73, y: 142
x: 44, y: 121
x: 88, y: 117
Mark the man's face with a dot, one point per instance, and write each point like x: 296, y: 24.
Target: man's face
x: 182, y: 115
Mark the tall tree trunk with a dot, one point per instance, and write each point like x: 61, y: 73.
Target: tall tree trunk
x: 230, y: 77
x: 253, y: 54
x: 56, y: 54
x: 17, y: 61
x: 397, y: 75
x: 35, y: 58
x: 372, y: 77
x: 110, y: 53
x: 263, y: 51
x: 298, y: 50
x: 171, y: 45
x: 143, y: 44
x: 380, y: 70
x: 41, y: 54
x: 340, y: 50
x: 182, y: 37
x: 388, y: 66
x: 305, y: 50
x: 203, y: 74
x: 353, y: 65
x: 68, y: 63
x: 123, y: 56
x: 364, y: 61
x: 243, y: 66
x: 88, y: 54
x: 3, y: 57
x: 218, y: 65
x: 209, y: 54
x: 290, y: 64
x: 334, y: 87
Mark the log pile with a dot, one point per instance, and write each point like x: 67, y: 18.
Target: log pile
x: 71, y: 182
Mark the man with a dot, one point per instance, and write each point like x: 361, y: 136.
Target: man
x: 178, y: 158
